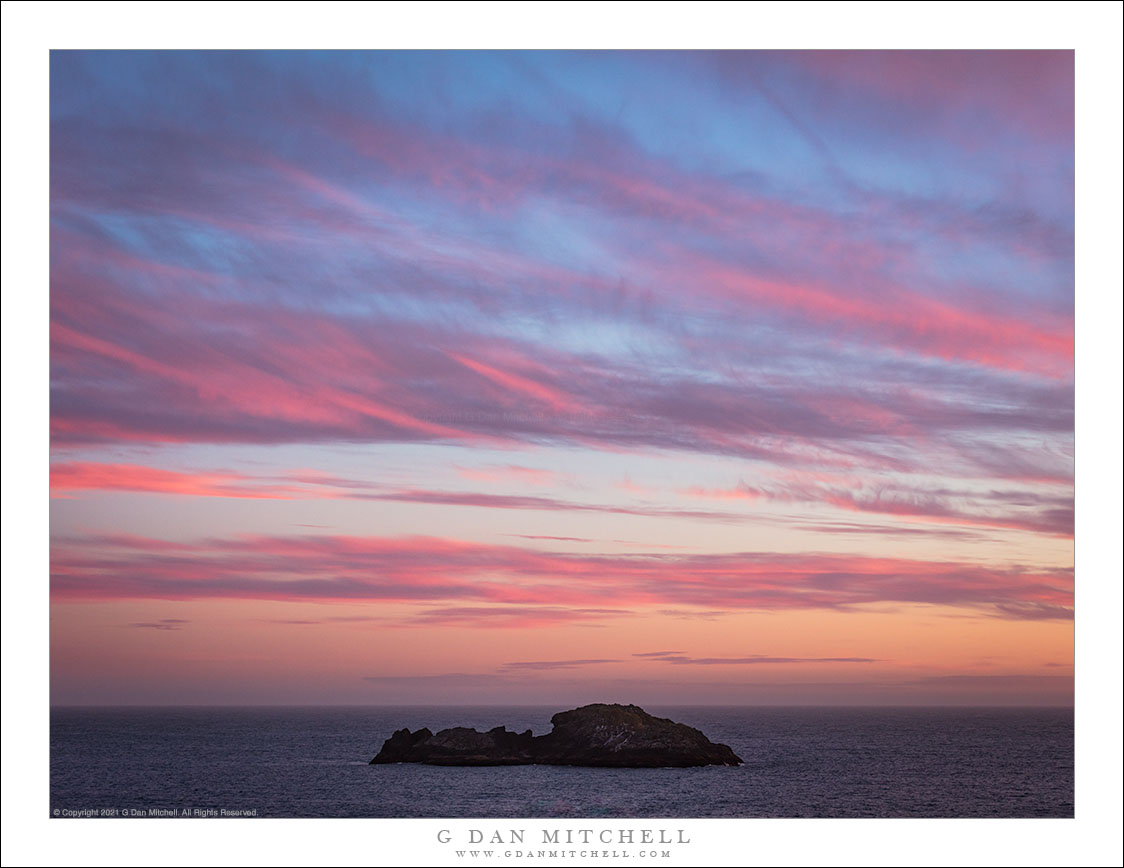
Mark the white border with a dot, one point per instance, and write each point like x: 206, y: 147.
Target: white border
x: 31, y: 29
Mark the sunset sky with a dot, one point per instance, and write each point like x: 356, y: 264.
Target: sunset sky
x: 549, y: 378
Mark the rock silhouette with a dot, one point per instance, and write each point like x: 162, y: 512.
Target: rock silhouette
x: 618, y: 736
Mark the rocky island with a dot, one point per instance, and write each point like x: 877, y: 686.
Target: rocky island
x: 616, y: 736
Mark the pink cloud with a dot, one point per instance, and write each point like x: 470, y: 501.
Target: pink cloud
x: 200, y: 370
x: 509, y: 473
x: 741, y: 491
x: 1018, y: 510
x: 93, y: 476
x: 89, y: 476
x: 898, y: 318
x: 1032, y: 89
x: 519, y: 384
x: 438, y: 571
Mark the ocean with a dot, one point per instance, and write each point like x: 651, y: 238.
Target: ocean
x: 799, y: 762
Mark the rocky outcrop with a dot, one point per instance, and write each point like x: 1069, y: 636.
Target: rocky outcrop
x: 620, y: 736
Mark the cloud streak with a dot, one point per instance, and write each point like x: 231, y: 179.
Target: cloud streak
x: 684, y: 660
x: 549, y: 665
x: 821, y: 313
x: 162, y: 624
x: 1023, y: 509
x: 389, y: 278
x: 473, y: 582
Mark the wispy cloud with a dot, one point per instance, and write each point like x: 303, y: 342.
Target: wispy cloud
x: 684, y: 660
x: 581, y: 539
x: 237, y: 351
x: 1024, y: 509
x: 554, y: 664
x: 785, y: 320
x: 519, y: 616
x: 509, y: 473
x: 162, y: 624
x: 472, y: 582
x: 93, y: 476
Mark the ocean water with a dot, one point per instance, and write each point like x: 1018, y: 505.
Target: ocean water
x: 799, y: 762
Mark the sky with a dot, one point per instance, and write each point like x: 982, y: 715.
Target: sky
x: 559, y: 377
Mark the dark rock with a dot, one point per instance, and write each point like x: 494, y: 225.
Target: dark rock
x: 621, y: 736
x: 399, y: 745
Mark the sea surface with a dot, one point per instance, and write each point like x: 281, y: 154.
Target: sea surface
x: 799, y: 762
